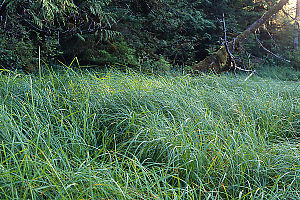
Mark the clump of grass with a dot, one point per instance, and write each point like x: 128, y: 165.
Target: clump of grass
x: 283, y: 73
x: 97, y: 135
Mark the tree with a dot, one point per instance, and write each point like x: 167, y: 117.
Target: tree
x: 27, y: 24
x: 223, y: 59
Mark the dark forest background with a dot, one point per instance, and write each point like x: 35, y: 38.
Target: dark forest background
x: 144, y: 34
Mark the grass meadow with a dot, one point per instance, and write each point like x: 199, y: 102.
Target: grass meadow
x: 125, y: 135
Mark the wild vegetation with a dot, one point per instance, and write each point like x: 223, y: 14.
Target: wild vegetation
x: 144, y: 34
x: 123, y: 135
x: 129, y: 119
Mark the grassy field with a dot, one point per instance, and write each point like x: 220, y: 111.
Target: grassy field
x: 114, y: 135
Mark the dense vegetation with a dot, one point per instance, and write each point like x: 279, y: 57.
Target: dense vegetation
x: 128, y: 119
x: 116, y: 135
x: 146, y: 34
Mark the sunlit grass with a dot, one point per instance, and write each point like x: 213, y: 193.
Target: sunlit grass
x: 113, y: 135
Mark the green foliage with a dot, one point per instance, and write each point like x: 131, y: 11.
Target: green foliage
x: 160, y: 65
x: 48, y: 24
x: 283, y: 44
x: 294, y: 57
x: 184, y: 31
x: 145, y: 32
x: 112, y: 135
x: 284, y: 72
x: 93, y: 52
x: 179, y: 31
x: 14, y: 54
x: 114, y: 53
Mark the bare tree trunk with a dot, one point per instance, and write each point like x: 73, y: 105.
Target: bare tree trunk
x: 218, y: 61
x: 296, y: 41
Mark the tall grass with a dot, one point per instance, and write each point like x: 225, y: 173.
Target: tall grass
x: 113, y: 135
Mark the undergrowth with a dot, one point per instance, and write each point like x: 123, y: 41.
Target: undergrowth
x: 113, y: 135
x: 283, y: 73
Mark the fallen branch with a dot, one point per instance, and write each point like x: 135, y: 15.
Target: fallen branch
x: 262, y: 20
x: 267, y: 50
x: 249, y: 76
x: 218, y: 61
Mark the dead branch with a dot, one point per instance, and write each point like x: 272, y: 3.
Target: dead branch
x: 225, y: 43
x: 2, y: 3
x: 267, y: 50
x: 218, y: 61
x: 262, y: 20
x: 287, y: 14
x: 249, y: 76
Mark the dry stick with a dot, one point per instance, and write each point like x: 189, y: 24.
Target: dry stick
x: 249, y: 76
x: 235, y: 43
x: 270, y: 35
x: 275, y: 44
x: 2, y: 3
x: 245, y: 70
x: 231, y: 57
x: 259, y: 42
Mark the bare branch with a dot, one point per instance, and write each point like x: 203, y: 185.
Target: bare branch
x: 231, y: 57
x: 234, y: 45
x: 287, y: 14
x: 267, y: 50
x: 2, y: 3
x: 249, y: 76
x: 245, y: 35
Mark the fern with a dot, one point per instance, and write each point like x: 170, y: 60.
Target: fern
x: 53, y: 16
x: 51, y: 25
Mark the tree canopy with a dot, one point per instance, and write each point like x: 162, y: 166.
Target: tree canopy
x: 144, y: 33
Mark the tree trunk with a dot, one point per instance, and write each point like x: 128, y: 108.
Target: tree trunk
x: 296, y: 41
x: 218, y: 61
